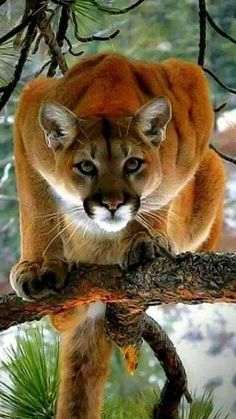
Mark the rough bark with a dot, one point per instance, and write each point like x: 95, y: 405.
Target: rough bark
x: 190, y: 279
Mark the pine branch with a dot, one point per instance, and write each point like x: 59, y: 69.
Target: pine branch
x: 51, y: 40
x: 190, y: 279
x: 9, y: 89
x: 25, y: 22
x: 117, y: 11
x: 60, y: 37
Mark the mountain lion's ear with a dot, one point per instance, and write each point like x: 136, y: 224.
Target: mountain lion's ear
x: 58, y: 123
x: 153, y: 118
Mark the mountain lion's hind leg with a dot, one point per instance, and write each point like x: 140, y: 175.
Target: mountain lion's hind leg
x: 84, y: 367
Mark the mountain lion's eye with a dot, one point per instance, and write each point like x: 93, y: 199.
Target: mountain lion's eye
x: 86, y: 167
x: 133, y: 164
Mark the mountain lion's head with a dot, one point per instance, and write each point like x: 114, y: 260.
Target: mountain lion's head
x: 105, y: 167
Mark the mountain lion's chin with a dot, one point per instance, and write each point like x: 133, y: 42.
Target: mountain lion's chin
x: 112, y: 226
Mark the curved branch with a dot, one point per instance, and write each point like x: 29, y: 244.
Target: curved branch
x: 219, y: 81
x: 190, y: 279
x: 176, y: 384
x: 224, y: 156
x: 8, y: 90
x: 91, y: 37
x: 220, y: 107
x: 116, y: 11
x: 21, y: 25
x: 70, y: 48
x: 218, y: 29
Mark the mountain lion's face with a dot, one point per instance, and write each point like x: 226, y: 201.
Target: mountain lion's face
x: 105, y: 167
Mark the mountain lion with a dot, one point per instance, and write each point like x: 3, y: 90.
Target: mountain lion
x: 112, y: 165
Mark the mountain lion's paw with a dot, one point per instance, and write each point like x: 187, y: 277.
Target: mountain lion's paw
x: 144, y: 248
x: 32, y: 280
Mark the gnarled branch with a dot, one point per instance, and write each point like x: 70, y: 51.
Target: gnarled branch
x: 190, y: 279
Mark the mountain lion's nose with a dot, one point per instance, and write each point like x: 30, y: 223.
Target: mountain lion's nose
x: 113, y: 203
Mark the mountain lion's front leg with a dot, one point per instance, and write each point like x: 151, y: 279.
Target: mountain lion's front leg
x: 148, y: 243
x: 42, y: 269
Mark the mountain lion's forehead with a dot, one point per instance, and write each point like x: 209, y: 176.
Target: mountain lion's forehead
x: 108, y: 138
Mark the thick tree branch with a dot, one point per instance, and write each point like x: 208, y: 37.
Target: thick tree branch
x: 191, y: 279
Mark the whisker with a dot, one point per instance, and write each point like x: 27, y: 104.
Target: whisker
x: 143, y: 222
x: 53, y: 228
x: 71, y: 235
x: 55, y: 237
x: 86, y: 228
x: 149, y: 227
x: 128, y: 127
x: 170, y: 211
x: 155, y: 217
x: 85, y: 135
x: 60, y: 221
x: 54, y: 214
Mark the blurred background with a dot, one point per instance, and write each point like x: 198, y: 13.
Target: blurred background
x: 205, y: 336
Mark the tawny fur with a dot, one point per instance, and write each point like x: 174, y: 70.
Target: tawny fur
x: 189, y: 191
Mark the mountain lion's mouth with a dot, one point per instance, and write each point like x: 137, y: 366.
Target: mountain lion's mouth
x: 112, y: 222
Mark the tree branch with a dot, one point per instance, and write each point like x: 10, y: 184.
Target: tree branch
x: 21, y: 25
x: 224, y: 156
x: 202, y: 32
x: 60, y: 37
x: 8, y: 90
x: 220, y: 82
x: 117, y: 11
x: 191, y: 279
x: 176, y: 383
x: 218, y: 29
x: 51, y: 41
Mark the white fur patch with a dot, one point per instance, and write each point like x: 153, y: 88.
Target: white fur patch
x: 107, y: 222
x: 96, y: 310
x: 62, y: 116
x: 159, y: 107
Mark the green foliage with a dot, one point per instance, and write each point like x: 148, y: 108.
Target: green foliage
x: 89, y: 17
x: 136, y: 406
x: 32, y: 370
x: 29, y: 384
x: 141, y: 404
